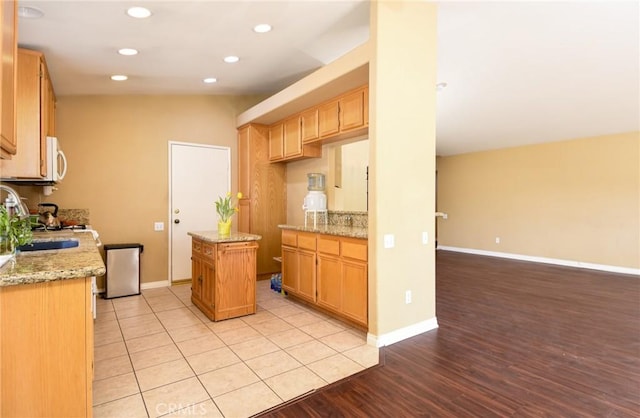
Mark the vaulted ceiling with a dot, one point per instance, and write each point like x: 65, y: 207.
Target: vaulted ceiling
x: 516, y: 72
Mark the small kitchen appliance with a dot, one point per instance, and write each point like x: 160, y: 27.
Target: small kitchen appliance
x: 315, y: 202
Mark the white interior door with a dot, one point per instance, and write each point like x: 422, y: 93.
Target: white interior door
x: 198, y: 174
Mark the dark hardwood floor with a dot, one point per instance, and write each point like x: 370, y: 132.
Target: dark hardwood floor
x: 514, y: 339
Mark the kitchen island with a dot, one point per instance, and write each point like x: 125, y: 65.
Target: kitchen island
x: 223, y: 273
x: 46, y: 329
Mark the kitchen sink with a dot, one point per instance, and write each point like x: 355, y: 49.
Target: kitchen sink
x: 50, y: 244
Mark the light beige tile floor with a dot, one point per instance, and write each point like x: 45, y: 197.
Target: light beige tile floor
x: 157, y: 355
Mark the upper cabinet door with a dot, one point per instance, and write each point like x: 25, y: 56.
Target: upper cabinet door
x: 329, y: 118
x: 309, y: 128
x: 352, y: 110
x: 28, y: 162
x: 8, y: 44
x: 292, y: 140
x: 276, y: 145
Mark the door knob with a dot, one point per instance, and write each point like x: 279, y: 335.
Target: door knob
x: 176, y: 211
x: 176, y: 221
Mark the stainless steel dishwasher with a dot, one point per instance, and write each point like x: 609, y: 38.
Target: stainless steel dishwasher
x: 123, y: 270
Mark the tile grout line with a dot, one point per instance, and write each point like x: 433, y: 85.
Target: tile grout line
x: 253, y: 326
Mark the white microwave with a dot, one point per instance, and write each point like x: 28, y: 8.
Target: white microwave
x: 56, y: 161
x: 56, y: 167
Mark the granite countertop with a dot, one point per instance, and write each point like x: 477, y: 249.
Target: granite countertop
x: 212, y: 236
x: 339, y: 230
x: 49, y: 265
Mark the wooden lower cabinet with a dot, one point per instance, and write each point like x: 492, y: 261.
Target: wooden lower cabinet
x: 223, y: 281
x: 46, y: 346
x: 338, y: 279
x: 299, y: 264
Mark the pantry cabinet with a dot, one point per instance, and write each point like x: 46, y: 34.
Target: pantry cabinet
x: 8, y: 56
x: 328, y: 271
x: 262, y: 207
x: 223, y: 282
x: 35, y: 104
x: 46, y: 346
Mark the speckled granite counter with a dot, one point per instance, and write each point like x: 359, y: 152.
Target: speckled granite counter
x: 339, y: 230
x: 212, y: 236
x: 43, y: 266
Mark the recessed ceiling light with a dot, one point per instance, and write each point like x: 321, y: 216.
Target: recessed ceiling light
x: 119, y: 77
x: 127, y: 51
x: 210, y: 80
x: 139, y: 12
x: 231, y: 59
x: 262, y: 28
x: 30, y: 12
x: 440, y: 86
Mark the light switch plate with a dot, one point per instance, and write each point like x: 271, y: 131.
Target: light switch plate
x: 425, y: 237
x: 158, y: 226
x: 389, y: 241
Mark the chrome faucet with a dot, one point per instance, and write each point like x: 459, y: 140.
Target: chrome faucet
x: 21, y: 209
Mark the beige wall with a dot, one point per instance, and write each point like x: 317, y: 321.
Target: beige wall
x: 118, y: 161
x: 297, y: 183
x: 402, y: 165
x: 358, y: 155
x: 574, y: 200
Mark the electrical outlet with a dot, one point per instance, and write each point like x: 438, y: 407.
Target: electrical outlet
x: 389, y: 241
x: 407, y: 297
x: 158, y: 226
x: 497, y: 240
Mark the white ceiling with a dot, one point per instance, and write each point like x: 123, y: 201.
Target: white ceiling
x: 516, y: 72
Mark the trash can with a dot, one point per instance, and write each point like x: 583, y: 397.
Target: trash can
x: 123, y: 270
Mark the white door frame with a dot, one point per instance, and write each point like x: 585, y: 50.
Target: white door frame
x: 169, y: 205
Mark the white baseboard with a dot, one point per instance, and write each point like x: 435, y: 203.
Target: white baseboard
x: 153, y: 285
x: 557, y: 261
x: 143, y: 286
x: 402, y: 333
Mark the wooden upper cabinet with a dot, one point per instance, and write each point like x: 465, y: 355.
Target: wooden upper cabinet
x: 276, y: 142
x: 352, y: 115
x: 302, y: 135
x: 329, y: 118
x: 8, y: 51
x: 292, y: 139
x: 309, y: 125
x: 35, y: 106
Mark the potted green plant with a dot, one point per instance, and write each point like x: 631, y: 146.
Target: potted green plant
x: 226, y: 209
x: 14, y: 232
